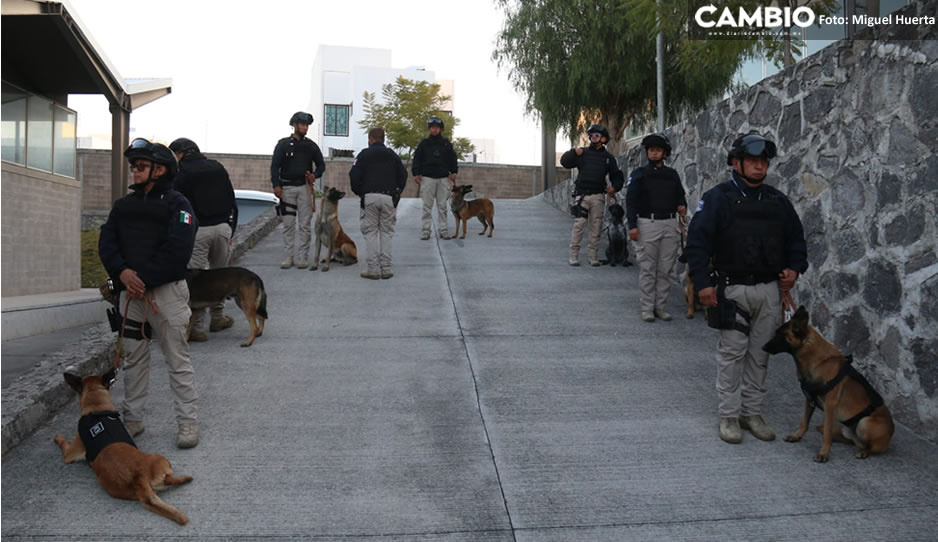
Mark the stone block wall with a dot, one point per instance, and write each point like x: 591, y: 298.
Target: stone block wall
x: 857, y: 131
x: 41, y: 237
x: 252, y: 172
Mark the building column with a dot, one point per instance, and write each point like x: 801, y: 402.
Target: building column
x: 548, y: 157
x: 120, y: 139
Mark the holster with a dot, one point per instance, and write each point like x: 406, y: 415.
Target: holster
x: 576, y: 207
x: 133, y: 329
x: 723, y: 316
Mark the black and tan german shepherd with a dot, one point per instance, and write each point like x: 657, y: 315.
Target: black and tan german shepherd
x: 853, y: 411
x: 339, y: 246
x: 211, y: 286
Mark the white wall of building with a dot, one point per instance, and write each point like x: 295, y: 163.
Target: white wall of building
x: 341, y: 76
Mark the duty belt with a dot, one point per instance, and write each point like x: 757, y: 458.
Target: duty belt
x: 658, y: 216
x: 746, y: 280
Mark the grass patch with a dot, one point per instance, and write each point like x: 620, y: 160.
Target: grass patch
x: 92, y: 271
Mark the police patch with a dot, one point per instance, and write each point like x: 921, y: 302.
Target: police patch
x: 185, y: 218
x: 700, y: 205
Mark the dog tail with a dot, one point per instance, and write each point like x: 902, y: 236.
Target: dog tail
x: 261, y: 299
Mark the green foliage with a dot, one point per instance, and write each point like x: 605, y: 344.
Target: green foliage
x: 403, y: 112
x: 93, y: 274
x: 583, y: 61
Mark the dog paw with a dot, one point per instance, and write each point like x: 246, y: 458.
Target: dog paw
x: 863, y: 454
x: 792, y: 438
x: 325, y: 268
x: 821, y: 458
x: 60, y: 440
x: 313, y: 267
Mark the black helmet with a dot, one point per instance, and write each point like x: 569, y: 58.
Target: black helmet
x: 604, y: 134
x: 301, y: 117
x: 597, y: 129
x: 184, y: 146
x: 750, y: 145
x: 141, y: 149
x: 657, y: 140
x: 436, y: 121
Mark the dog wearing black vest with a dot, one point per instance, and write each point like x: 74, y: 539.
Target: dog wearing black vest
x: 853, y: 411
x: 122, y: 470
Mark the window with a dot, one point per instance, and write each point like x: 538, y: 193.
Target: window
x: 336, y: 120
x: 38, y: 133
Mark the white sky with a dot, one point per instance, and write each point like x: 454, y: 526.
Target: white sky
x: 240, y: 72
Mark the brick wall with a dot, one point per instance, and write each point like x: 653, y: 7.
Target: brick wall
x: 41, y: 232
x: 249, y: 171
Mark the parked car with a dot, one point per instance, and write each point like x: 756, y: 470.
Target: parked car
x: 252, y: 203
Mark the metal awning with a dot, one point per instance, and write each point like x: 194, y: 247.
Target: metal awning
x: 48, y: 51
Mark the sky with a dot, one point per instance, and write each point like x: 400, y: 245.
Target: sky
x: 238, y: 72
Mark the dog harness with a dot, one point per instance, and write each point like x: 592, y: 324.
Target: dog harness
x: 813, y: 392
x: 101, y: 429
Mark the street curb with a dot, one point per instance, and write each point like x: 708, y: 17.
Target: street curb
x: 35, y: 397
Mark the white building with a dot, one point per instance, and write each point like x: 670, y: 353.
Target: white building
x: 341, y: 76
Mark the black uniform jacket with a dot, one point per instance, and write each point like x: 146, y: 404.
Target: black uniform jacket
x: 291, y: 160
x: 593, y: 166
x: 150, y: 233
x: 655, y: 190
x: 715, y: 217
x: 205, y: 183
x: 378, y: 169
x: 434, y: 158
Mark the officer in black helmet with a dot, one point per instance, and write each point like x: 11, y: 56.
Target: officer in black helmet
x: 593, y: 164
x: 751, y: 235
x: 435, y: 167
x: 296, y: 164
x: 145, y: 246
x: 654, y: 199
x: 205, y: 183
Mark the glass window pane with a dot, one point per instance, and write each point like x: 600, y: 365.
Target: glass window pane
x: 342, y: 120
x: 14, y: 125
x: 64, y: 142
x: 39, y: 133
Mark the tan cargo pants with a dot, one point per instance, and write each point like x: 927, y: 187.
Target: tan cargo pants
x: 378, y: 220
x: 595, y: 204
x: 169, y: 327
x: 297, y: 200
x: 211, y: 251
x: 657, y: 249
x: 435, y: 189
x: 742, y: 365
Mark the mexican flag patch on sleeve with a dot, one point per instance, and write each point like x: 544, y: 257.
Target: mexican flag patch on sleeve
x: 185, y: 217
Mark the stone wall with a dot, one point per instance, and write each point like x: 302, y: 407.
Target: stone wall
x: 41, y: 238
x: 857, y: 130
x: 252, y: 172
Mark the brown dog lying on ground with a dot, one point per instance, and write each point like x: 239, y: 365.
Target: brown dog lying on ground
x: 340, y: 246
x: 830, y: 382
x: 122, y: 470
x: 208, y: 287
x: 463, y: 210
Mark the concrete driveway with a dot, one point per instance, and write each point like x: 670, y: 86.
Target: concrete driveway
x: 488, y: 392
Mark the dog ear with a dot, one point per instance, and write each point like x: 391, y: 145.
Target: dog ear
x: 108, y: 378
x: 467, y: 188
x: 73, y: 381
x: 799, y: 323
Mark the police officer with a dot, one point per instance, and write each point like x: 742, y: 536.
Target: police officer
x: 205, y: 183
x: 753, y: 238
x: 435, y: 161
x: 378, y: 177
x: 654, y: 199
x: 296, y: 164
x: 145, y: 246
x: 593, y: 164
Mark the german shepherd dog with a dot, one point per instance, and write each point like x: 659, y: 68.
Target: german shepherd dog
x: 618, y: 250
x: 122, y: 470
x: 463, y: 210
x: 853, y: 411
x: 340, y: 246
x: 208, y: 287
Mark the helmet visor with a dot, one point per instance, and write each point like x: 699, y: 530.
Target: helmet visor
x: 759, y: 148
x: 139, y: 144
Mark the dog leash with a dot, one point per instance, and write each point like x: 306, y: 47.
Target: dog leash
x: 788, y: 305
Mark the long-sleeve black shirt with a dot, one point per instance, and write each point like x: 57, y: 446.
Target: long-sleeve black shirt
x: 291, y: 160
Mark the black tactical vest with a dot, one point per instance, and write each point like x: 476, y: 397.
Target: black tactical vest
x: 661, y: 190
x: 100, y: 429
x: 591, y: 177
x: 754, y: 244
x: 143, y: 225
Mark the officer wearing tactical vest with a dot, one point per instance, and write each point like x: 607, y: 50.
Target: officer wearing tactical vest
x: 296, y: 164
x: 378, y: 177
x: 205, y: 183
x: 146, y: 243
x: 435, y: 167
x: 593, y: 163
x: 751, y: 235
x: 654, y: 199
